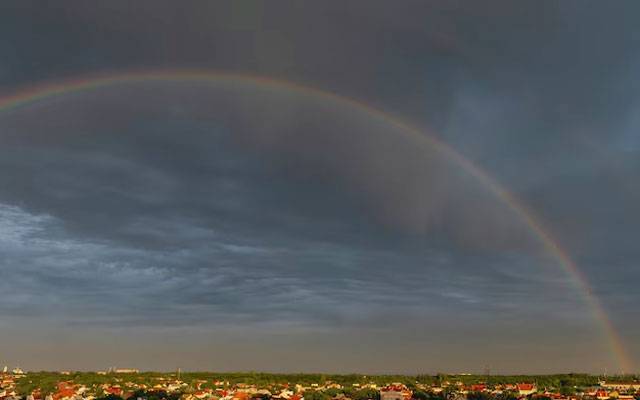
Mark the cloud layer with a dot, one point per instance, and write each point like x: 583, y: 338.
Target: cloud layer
x: 234, y: 215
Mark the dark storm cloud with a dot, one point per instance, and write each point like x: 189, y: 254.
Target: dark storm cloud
x: 200, y: 216
x: 176, y: 205
x: 310, y: 155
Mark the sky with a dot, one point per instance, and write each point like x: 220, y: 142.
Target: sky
x: 237, y: 224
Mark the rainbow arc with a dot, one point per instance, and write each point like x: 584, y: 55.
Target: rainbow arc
x: 48, y: 90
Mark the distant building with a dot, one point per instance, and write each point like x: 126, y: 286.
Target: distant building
x: 479, y: 387
x: 391, y: 395
x: 125, y: 371
x: 525, y: 389
x: 395, y: 391
x: 620, y: 385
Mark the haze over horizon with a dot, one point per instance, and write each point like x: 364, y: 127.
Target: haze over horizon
x: 245, y: 189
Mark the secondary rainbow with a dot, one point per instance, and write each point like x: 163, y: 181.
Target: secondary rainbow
x: 44, y: 91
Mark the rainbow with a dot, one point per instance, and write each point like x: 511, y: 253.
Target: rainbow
x: 37, y: 93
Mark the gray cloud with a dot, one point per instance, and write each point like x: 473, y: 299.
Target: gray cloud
x: 217, y: 213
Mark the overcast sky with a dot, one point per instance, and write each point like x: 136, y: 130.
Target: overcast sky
x: 236, y: 226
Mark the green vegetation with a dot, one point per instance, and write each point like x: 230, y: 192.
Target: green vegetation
x: 565, y: 383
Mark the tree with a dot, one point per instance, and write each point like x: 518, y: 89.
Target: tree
x: 567, y: 390
x: 316, y: 395
x: 366, y: 394
x: 507, y: 395
x: 420, y: 395
x: 110, y: 396
x: 479, y: 396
